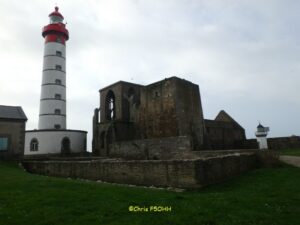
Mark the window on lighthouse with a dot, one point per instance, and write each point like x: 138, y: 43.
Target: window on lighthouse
x: 57, y: 111
x: 58, y: 67
x: 58, y: 53
x: 56, y: 19
x: 57, y: 81
x: 57, y: 96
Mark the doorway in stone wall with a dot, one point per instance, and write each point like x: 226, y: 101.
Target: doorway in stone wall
x: 65, y: 146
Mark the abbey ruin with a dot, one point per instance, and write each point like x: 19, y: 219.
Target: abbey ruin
x: 158, y: 121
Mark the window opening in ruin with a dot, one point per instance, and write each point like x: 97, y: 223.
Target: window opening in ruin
x: 110, y: 106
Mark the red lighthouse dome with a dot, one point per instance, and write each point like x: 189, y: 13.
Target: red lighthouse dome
x: 55, y: 31
x: 56, y: 13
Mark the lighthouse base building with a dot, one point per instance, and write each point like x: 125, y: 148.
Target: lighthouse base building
x: 52, y: 136
x: 55, y: 142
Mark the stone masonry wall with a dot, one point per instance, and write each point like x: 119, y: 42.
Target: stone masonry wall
x: 189, y: 112
x: 224, y: 135
x: 157, y: 112
x: 169, y: 108
x: 284, y: 142
x: 15, y: 131
x: 277, y: 143
x: 162, y: 173
x: 164, y: 148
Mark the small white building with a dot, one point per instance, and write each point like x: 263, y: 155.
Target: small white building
x: 55, y: 142
x: 53, y: 137
x: 261, y: 136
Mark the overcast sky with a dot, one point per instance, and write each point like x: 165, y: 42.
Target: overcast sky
x: 243, y: 54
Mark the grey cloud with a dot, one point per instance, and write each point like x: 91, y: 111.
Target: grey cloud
x: 243, y: 54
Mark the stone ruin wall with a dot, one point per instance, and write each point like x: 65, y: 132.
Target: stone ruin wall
x: 278, y: 143
x: 162, y: 148
x: 187, y: 173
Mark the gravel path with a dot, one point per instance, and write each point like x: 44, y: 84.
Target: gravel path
x: 292, y: 160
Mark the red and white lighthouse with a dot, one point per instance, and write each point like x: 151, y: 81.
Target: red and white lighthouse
x: 53, y: 93
x: 53, y: 137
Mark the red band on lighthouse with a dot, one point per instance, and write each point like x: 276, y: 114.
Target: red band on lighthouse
x: 55, y: 31
x: 55, y: 38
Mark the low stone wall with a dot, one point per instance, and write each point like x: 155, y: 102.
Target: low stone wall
x: 189, y: 173
x: 72, y: 156
x: 277, y: 143
x: 250, y: 144
x: 284, y: 142
x: 163, y: 148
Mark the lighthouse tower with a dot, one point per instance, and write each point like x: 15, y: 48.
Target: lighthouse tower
x: 52, y: 135
x: 261, y: 136
x: 53, y: 94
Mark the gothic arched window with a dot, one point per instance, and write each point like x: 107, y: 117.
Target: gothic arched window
x: 110, y: 105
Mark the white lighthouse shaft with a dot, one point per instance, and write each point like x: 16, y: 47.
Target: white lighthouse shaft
x: 53, y: 92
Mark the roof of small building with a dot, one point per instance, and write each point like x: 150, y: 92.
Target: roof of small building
x: 12, y: 112
x: 224, y: 116
x: 260, y: 126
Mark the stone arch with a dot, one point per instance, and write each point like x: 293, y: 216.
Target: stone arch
x: 110, y: 105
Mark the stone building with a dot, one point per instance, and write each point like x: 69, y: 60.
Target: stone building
x: 224, y: 132
x: 144, y: 121
x: 12, y: 132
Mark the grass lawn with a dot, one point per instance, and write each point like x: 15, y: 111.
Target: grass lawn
x: 264, y: 196
x: 293, y: 152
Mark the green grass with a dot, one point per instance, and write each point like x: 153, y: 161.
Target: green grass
x: 264, y: 196
x: 292, y: 152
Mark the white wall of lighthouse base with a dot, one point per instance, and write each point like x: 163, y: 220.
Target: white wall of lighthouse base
x: 262, y: 142
x: 50, y: 141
